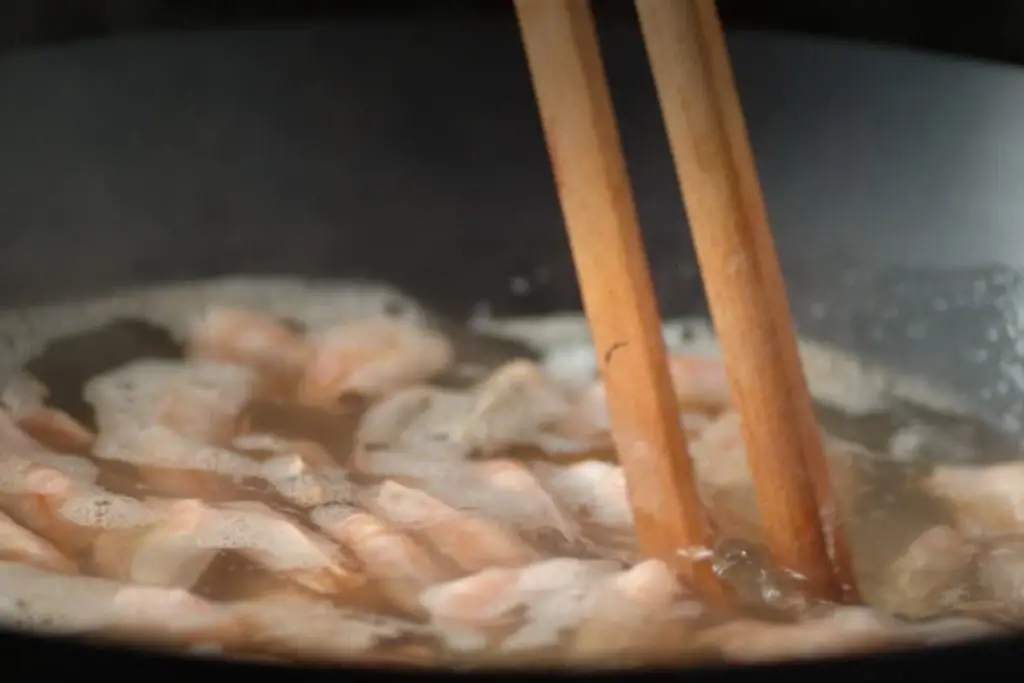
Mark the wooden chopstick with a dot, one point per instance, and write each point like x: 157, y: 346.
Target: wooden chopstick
x: 576, y: 111
x: 746, y: 295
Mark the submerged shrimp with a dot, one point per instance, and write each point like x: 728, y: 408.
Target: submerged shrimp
x: 513, y: 406
x: 176, y: 466
x: 413, y: 420
x: 700, y: 382
x: 372, y: 357
x: 278, y: 354
x: 127, y: 398
x: 33, y: 495
x: 148, y: 542
x: 36, y: 600
x: 311, y: 453
x: 295, y: 626
x: 594, y: 493
x: 401, y: 567
x: 846, y: 630
x: 503, y: 489
x: 511, y: 491
x: 932, y: 576
x: 205, y: 401
x: 279, y: 545
x: 472, y: 542
x: 304, y: 487
x: 727, y: 485
x: 18, y: 544
x: 986, y: 500
x: 14, y: 442
x: 25, y: 400
x: 514, y: 609
x: 159, y: 549
x: 639, y: 610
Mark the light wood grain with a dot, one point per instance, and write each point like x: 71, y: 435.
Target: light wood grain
x: 597, y: 204
x: 744, y: 286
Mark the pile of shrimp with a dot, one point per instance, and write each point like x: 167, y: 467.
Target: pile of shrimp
x: 285, y: 495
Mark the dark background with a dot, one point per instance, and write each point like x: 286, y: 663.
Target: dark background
x: 992, y: 29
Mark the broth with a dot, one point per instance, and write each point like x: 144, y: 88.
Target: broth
x: 292, y: 471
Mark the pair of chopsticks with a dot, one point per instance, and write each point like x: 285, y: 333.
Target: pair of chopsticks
x: 739, y: 268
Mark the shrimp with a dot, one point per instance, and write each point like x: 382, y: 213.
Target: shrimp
x: 846, y: 630
x: 987, y: 500
x: 24, y: 398
x: 401, y: 567
x: 640, y: 609
x: 160, y: 552
x: 727, y: 485
x: 372, y: 357
x: 502, y: 489
x: 594, y: 493
x: 57, y: 429
x: 295, y: 626
x: 176, y: 466
x: 701, y: 388
x: 306, y: 488
x: 506, y: 490
x: 932, y: 576
x: 205, y: 401
x: 417, y: 422
x: 1001, y: 573
x: 843, y: 630
x: 700, y: 382
x: 310, y: 452
x: 18, y: 544
x: 19, y: 451
x: 119, y: 537
x: 33, y: 495
x: 281, y: 546
x: 512, y: 407
x: 126, y: 399
x: 424, y: 465
x: 14, y: 441
x: 276, y: 353
x: 388, y: 421
x: 37, y: 600
x: 472, y: 542
x: 514, y: 609
x: 528, y: 503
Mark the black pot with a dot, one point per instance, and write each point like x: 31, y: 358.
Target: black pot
x: 411, y: 153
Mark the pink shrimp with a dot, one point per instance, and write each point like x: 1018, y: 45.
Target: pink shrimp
x: 295, y: 626
x: 641, y: 609
x: 57, y: 603
x: 985, y: 500
x: 700, y: 382
x: 469, y: 540
x: 21, y: 545
x: 278, y: 354
x: 932, y: 576
x: 514, y: 609
x: 400, y: 566
x: 372, y: 357
x: 206, y: 400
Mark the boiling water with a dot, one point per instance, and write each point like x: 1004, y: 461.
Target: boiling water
x: 893, y: 431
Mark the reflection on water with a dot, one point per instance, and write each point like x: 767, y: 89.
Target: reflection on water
x: 964, y: 327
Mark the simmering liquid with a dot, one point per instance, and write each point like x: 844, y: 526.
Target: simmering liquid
x: 325, y: 475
